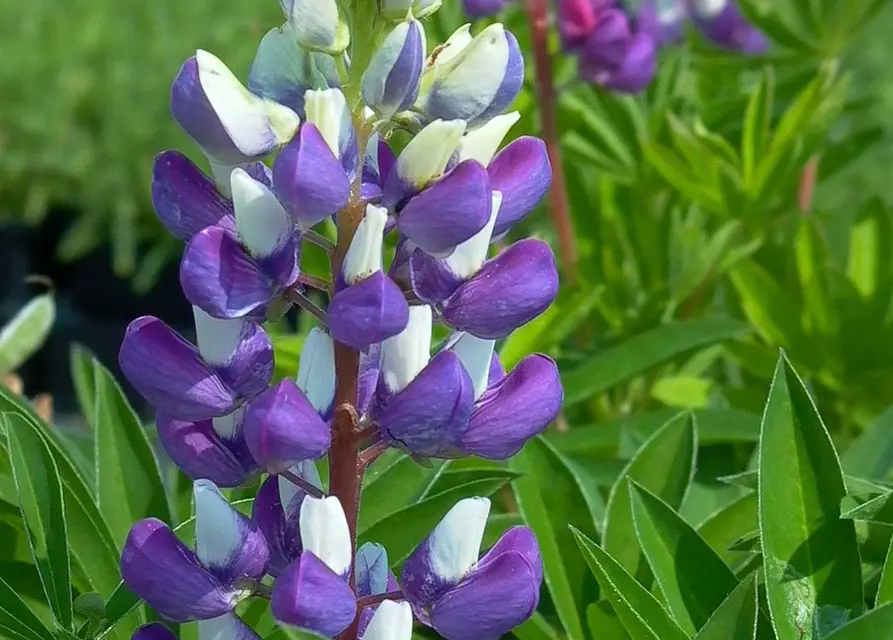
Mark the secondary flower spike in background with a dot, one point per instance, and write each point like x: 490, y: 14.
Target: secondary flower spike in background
x: 370, y: 377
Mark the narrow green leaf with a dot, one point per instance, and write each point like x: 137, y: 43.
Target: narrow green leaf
x: 693, y: 579
x: 392, y: 485
x: 723, y: 528
x: 403, y: 531
x: 548, y: 509
x: 22, y: 336
x: 640, y: 613
x: 811, y: 557
x: 123, y: 451
x: 17, y: 622
x: 82, y: 377
x: 40, y: 499
x: 874, y: 625
x: 536, y: 628
x: 757, y: 122
x: 736, y: 617
x: 663, y: 465
x: 871, y: 454
x: 885, y: 586
x: 820, y: 312
x: 878, y: 509
x: 639, y: 354
x: 603, y: 622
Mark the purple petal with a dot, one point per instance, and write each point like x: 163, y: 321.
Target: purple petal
x: 185, y: 199
x: 494, y: 599
x: 637, y: 70
x: 367, y: 312
x: 153, y: 631
x: 201, y: 453
x: 226, y: 627
x: 431, y: 279
x: 607, y: 45
x: 664, y: 25
x: 311, y: 596
x: 281, y: 533
x: 517, y: 408
x: 165, y: 573
x: 370, y: 370
x: 250, y: 367
x: 518, y: 540
x: 430, y: 415
x: 483, y: 8
x: 309, y: 180
x: 576, y: 20
x: 523, y: 174
x: 508, y: 292
x: 402, y: 85
x: 282, y: 428
x: 497, y: 371
x: 218, y: 275
x: 730, y: 30
x: 450, y: 211
x: 170, y: 374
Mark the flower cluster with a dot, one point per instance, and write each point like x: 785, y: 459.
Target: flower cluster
x: 616, y: 44
x: 368, y: 378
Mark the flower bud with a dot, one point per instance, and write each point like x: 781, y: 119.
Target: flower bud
x: 478, y: 82
x: 327, y: 109
x: 397, y: 9
x: 324, y: 532
x: 576, y: 20
x: 482, y: 143
x: 318, y: 24
x: 229, y: 123
x: 392, y: 621
x: 283, y: 71
x: 316, y: 370
x: 405, y: 355
x: 391, y: 83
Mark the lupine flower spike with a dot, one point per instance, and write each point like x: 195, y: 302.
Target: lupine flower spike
x: 369, y: 376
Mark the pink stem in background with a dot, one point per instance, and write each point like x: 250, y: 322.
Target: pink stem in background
x: 806, y: 190
x: 538, y: 15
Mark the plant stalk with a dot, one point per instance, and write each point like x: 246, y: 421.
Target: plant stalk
x: 538, y: 16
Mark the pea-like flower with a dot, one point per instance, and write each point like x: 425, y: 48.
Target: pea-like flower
x: 466, y: 598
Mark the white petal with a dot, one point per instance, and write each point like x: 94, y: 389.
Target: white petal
x: 227, y: 426
x: 324, y: 532
x: 454, y: 45
x: 262, y: 223
x: 482, y: 143
x: 305, y: 469
x: 392, y: 621
x: 424, y: 8
x: 327, y: 109
x: 217, y: 533
x: 426, y: 156
x: 363, y: 257
x: 217, y: 339
x: 455, y: 544
x: 475, y: 354
x: 405, y: 355
x: 709, y: 9
x: 222, y: 172
x: 472, y: 78
x: 226, y: 627
x: 467, y: 259
x: 252, y: 123
x: 316, y: 369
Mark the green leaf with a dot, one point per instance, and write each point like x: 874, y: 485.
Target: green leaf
x: 693, y: 579
x: 885, y: 586
x: 736, y: 617
x: 548, y: 509
x: 403, y: 531
x: 40, y: 498
x: 810, y: 251
x: 82, y: 378
x: 729, y: 524
x: 123, y: 451
x: 811, y: 557
x: 639, y: 354
x: 536, y: 628
x: 390, y: 486
x: 878, y: 509
x: 22, y: 336
x: 603, y: 622
x: 871, y: 454
x: 757, y: 122
x: 874, y: 625
x: 640, y: 613
x: 664, y: 465
x: 17, y: 622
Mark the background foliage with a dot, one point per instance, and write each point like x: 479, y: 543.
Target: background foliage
x: 691, y: 467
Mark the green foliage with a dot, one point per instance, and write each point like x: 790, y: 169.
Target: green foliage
x: 26, y: 332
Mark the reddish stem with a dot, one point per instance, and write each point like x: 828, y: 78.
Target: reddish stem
x: 371, y: 601
x: 304, y: 485
x: 538, y: 16
x: 806, y: 190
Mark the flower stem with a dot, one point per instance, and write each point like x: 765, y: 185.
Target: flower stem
x: 302, y: 484
x: 538, y: 16
x: 371, y: 601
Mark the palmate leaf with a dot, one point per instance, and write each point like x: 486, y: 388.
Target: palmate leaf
x: 663, y: 465
x: 640, y: 613
x: 810, y: 555
x: 693, y: 579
